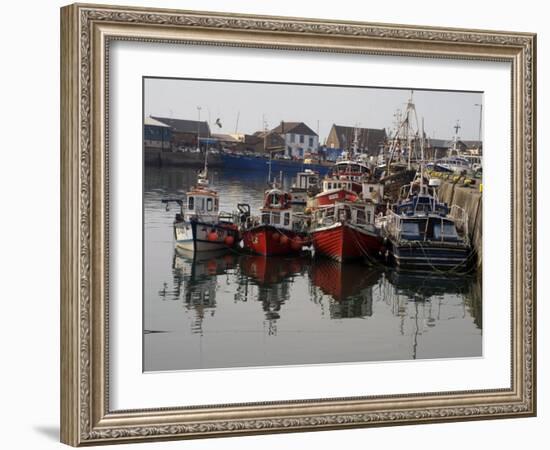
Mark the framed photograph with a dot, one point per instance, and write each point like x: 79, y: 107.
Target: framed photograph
x: 276, y: 224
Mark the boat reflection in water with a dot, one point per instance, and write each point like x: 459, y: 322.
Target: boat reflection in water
x: 268, y: 280
x: 432, y: 299
x: 349, y: 286
x: 195, y: 280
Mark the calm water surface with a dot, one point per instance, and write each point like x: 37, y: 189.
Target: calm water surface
x: 236, y: 310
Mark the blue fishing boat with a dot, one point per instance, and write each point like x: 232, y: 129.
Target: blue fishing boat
x: 423, y: 233
x: 238, y: 161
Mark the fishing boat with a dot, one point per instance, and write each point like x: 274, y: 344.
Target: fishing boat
x: 200, y: 226
x: 423, y: 233
x: 345, y: 182
x: 346, y: 230
x: 279, y: 230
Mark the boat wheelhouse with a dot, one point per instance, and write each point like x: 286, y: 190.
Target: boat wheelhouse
x: 346, y: 230
x: 305, y: 184
x: 345, y: 183
x: 279, y: 230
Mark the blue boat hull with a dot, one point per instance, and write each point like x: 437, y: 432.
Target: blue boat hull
x: 430, y: 256
x: 240, y: 162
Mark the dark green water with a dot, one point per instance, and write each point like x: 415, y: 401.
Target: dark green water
x: 234, y: 310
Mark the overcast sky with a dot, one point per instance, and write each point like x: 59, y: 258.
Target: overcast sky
x: 318, y: 106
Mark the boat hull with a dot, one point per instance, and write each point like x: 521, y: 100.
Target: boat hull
x: 345, y: 242
x: 428, y: 256
x: 195, y: 236
x: 261, y: 240
x: 242, y: 162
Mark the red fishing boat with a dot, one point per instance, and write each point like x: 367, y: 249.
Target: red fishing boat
x: 279, y: 230
x: 345, y: 182
x: 346, y: 230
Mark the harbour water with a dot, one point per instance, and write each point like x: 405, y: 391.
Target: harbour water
x: 238, y: 310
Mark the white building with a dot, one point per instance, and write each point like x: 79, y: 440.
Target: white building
x: 300, y: 140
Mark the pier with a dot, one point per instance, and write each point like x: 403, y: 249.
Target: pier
x: 469, y: 198
x: 187, y: 159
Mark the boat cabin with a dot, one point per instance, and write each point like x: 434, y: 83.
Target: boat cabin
x: 277, y: 211
x: 203, y: 203
x: 350, y: 170
x: 430, y: 228
x: 357, y: 213
x: 334, y: 184
x: 421, y: 204
x: 373, y: 191
x: 306, y: 180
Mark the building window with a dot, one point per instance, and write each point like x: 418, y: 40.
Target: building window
x: 311, y: 141
x: 292, y: 137
x: 301, y: 139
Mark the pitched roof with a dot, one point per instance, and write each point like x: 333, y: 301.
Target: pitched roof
x: 472, y: 144
x: 293, y: 127
x: 154, y: 123
x: 369, y: 138
x: 186, y: 126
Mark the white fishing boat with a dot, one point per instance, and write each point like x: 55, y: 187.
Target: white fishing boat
x: 200, y: 226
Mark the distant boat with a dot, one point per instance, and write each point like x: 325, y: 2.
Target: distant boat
x: 261, y: 162
x: 345, y: 182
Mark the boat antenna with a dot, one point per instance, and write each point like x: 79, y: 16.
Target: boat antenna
x: 237, y: 122
x: 264, y: 124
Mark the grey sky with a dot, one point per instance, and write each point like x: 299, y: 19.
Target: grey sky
x: 325, y: 105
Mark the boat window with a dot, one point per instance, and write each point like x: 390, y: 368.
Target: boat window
x: 216, y: 204
x: 287, y: 218
x: 191, y: 203
x: 209, y: 204
x: 265, y: 218
x: 410, y: 230
x: 445, y: 231
x: 276, y: 218
x: 202, y: 203
x: 368, y: 217
x: 360, y: 216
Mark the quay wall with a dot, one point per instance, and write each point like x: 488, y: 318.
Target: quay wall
x: 158, y: 158
x: 470, y: 199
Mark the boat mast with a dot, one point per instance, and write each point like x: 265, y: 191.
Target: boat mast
x: 355, y: 142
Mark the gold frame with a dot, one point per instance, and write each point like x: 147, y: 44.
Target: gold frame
x: 86, y: 31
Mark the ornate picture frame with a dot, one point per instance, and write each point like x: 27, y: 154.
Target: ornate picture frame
x: 86, y: 34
